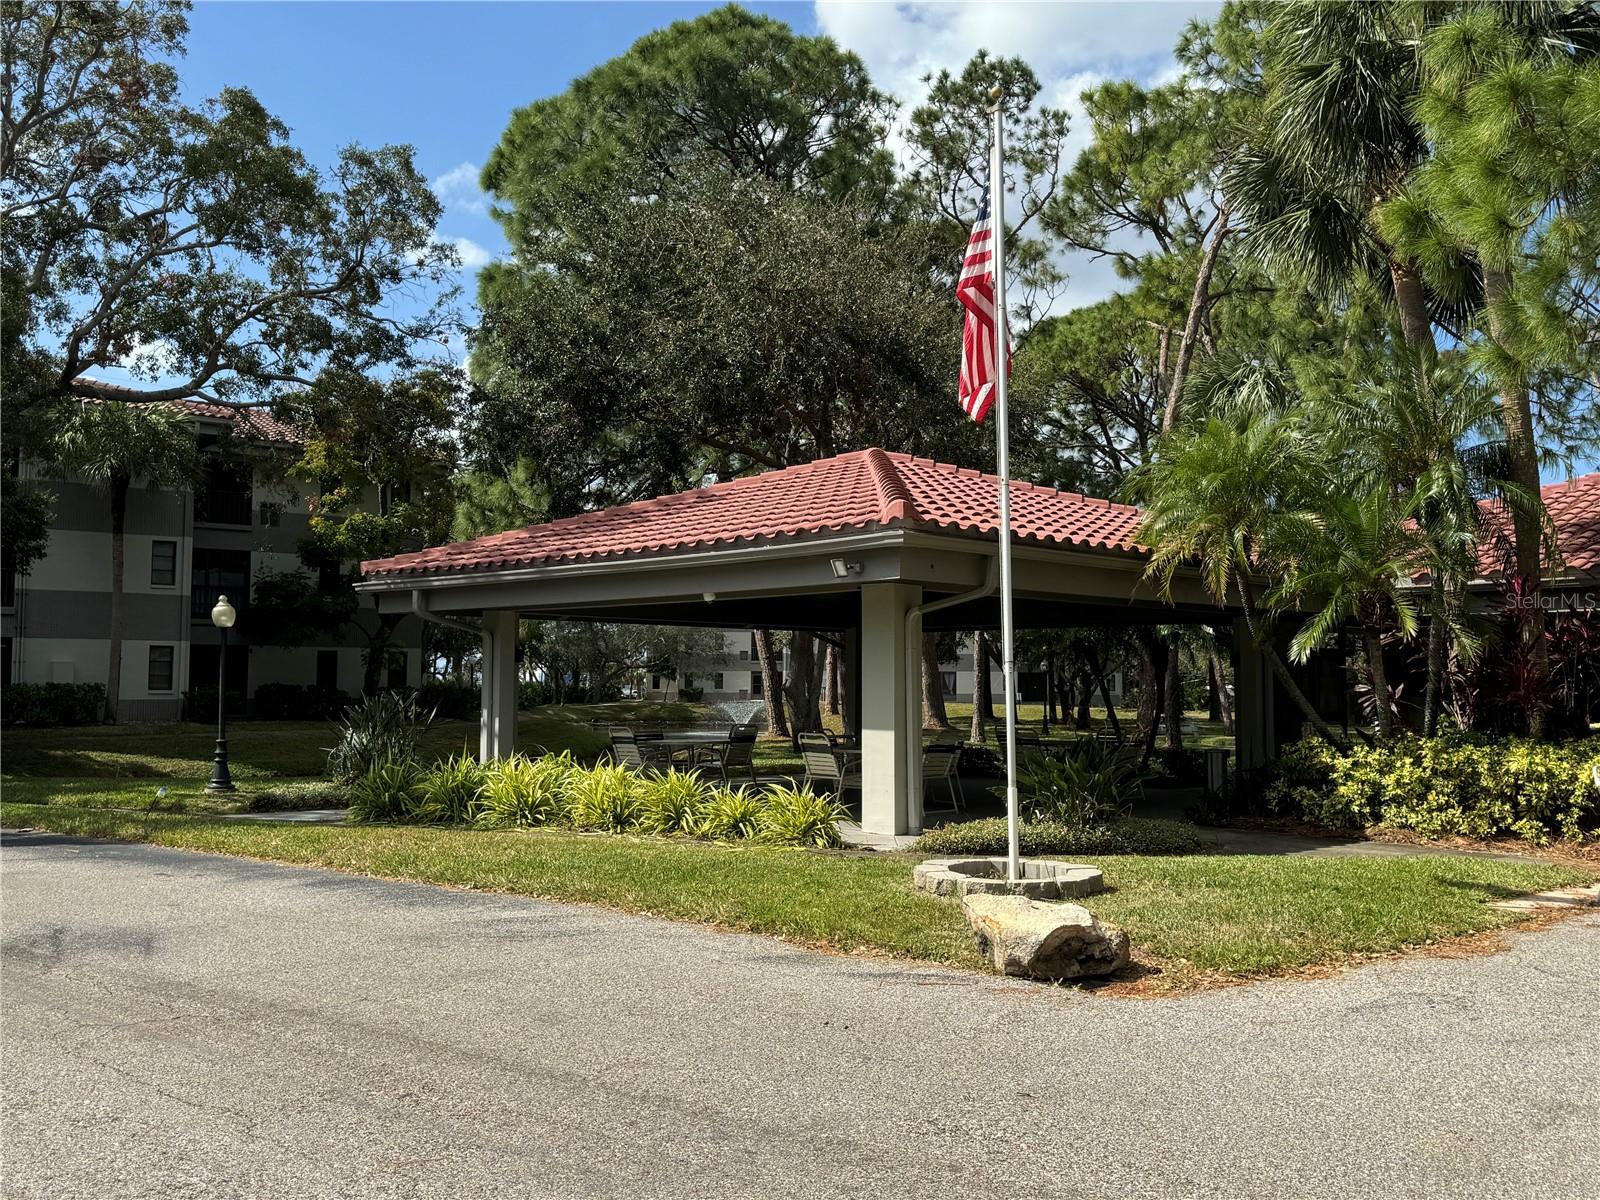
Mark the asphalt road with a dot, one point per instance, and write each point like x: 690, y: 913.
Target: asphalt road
x: 186, y: 1025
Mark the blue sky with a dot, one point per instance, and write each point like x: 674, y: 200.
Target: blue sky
x: 445, y: 76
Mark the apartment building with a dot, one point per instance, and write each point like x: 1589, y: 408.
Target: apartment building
x: 182, y: 549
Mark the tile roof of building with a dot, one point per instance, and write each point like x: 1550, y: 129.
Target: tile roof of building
x: 257, y: 424
x: 861, y: 491
x: 1574, y: 508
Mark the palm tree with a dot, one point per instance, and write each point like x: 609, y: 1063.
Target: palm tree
x: 1336, y: 138
x: 110, y: 444
x: 1349, y: 558
x: 1213, y: 495
x: 1419, y: 427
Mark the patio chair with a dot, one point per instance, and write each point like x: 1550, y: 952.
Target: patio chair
x: 627, y: 750
x: 939, y: 763
x: 736, y: 754
x: 822, y: 765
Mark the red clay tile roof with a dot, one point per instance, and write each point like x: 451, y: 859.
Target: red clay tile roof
x: 257, y: 424
x: 1574, y: 508
x: 865, y: 490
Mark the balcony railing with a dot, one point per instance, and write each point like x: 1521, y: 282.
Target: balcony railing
x: 217, y: 506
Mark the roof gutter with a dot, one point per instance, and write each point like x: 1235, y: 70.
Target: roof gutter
x: 913, y: 675
x: 418, y: 610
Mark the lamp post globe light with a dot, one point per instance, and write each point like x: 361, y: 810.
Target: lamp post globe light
x: 223, y: 616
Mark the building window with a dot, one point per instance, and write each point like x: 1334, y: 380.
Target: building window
x: 5, y: 660
x: 744, y: 656
x: 219, y: 573
x: 756, y: 691
x: 159, y: 677
x: 948, y: 680
x: 163, y: 564
x: 655, y: 683
x: 225, y: 495
x: 716, y: 685
x: 271, y: 512
x: 327, y: 670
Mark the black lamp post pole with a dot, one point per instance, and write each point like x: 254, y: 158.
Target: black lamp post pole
x: 220, y: 780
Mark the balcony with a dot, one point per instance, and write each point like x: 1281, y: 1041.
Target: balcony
x: 224, y: 506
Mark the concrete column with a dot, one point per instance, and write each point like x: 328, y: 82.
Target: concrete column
x: 1252, y: 701
x: 497, y: 730
x: 888, y: 800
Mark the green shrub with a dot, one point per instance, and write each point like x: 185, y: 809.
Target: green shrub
x: 1454, y: 785
x: 797, y: 817
x: 447, y: 794
x: 450, y: 698
x: 298, y: 796
x: 520, y: 791
x: 52, y: 703
x: 671, y: 801
x: 605, y: 798
x: 384, y: 727
x: 1128, y: 835
x: 386, y: 791
x: 731, y: 813
x: 297, y: 702
x: 1091, y: 786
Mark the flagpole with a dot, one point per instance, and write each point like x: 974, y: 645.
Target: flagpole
x: 1002, y: 343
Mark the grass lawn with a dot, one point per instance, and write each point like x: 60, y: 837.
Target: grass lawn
x: 1196, y: 919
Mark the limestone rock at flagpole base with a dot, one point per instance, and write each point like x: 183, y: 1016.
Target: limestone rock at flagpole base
x: 1039, y: 940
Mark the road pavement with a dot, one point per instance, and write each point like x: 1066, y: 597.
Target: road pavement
x: 187, y: 1025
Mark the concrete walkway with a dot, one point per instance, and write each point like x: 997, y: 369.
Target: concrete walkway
x: 192, y: 1025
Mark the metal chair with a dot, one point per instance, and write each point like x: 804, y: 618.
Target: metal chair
x: 736, y: 754
x: 627, y: 750
x: 939, y: 763
x: 822, y: 764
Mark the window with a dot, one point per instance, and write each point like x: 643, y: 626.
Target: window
x: 5, y: 660
x: 327, y: 670
x: 159, y: 677
x: 947, y: 679
x: 716, y: 684
x: 219, y: 573
x: 163, y: 564
x: 744, y: 656
x: 756, y: 691
x: 655, y: 683
x: 224, y: 497
x: 271, y: 512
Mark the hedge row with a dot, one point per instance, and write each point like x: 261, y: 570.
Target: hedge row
x: 1454, y: 785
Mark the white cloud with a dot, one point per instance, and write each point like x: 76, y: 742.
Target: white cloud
x: 458, y: 188
x: 1070, y: 46
x: 471, y: 254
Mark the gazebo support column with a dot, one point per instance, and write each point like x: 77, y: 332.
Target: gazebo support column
x: 852, y: 681
x: 1252, y: 702
x: 497, y: 730
x: 888, y: 802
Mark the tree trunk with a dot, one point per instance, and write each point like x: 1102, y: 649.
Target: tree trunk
x: 1159, y: 656
x: 830, y: 680
x: 1198, y: 304
x: 1174, y: 695
x: 1052, y: 714
x: 1148, y: 714
x: 771, y: 684
x: 1412, y: 304
x: 982, y: 696
x: 933, y: 711
x: 1382, y: 718
x: 119, y: 522
x: 1219, y: 680
x: 1086, y: 684
x: 377, y: 656
x: 805, y: 685
x: 1523, y: 458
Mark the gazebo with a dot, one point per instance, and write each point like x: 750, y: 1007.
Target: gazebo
x: 877, y: 545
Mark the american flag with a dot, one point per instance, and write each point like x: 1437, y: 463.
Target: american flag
x: 975, y: 290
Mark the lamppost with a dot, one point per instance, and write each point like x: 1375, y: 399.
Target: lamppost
x: 222, y: 616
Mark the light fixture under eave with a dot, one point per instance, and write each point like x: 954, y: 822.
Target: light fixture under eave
x: 843, y: 568
x: 709, y: 597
